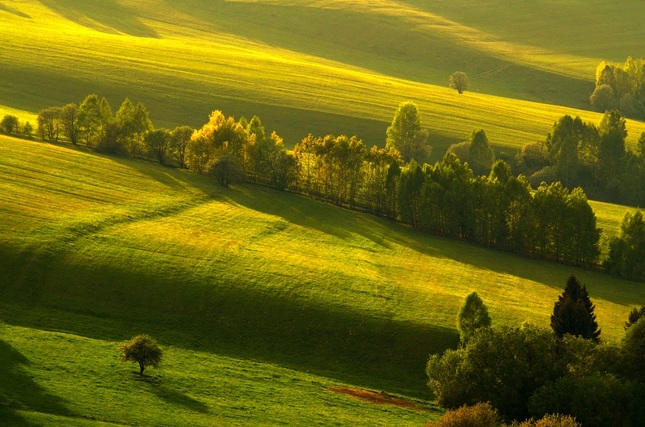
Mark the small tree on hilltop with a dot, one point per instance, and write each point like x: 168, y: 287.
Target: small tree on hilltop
x: 459, y: 81
x: 472, y: 316
x: 141, y: 349
x: 573, y: 313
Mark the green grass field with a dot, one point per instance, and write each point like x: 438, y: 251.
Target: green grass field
x: 263, y: 300
x: 320, y: 66
x: 250, y: 290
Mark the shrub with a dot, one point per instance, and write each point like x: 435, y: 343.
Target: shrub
x: 478, y: 415
x: 551, y: 421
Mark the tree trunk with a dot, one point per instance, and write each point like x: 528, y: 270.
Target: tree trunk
x: 141, y: 367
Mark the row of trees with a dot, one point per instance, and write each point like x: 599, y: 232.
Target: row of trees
x: 129, y: 131
x: 579, y: 153
x: 621, y: 86
x: 529, y: 371
x: 449, y: 198
x: 499, y: 210
x: 93, y: 124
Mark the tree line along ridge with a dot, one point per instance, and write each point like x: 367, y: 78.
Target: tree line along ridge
x: 468, y: 195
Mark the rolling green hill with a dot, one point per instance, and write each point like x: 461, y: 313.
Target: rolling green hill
x: 320, y: 66
x: 97, y: 249
x: 266, y: 301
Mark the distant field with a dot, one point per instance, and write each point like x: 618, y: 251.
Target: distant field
x: 103, y: 248
x: 320, y: 66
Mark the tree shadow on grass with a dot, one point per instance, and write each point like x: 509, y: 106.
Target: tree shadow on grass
x: 157, y: 387
x: 344, y: 223
x: 5, y: 8
x: 107, y: 16
x: 19, y: 392
x: 307, y: 212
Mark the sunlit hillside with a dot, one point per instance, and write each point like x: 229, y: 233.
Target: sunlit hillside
x: 271, y: 308
x: 319, y: 66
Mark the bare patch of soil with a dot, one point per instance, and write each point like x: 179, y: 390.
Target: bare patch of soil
x: 381, y: 398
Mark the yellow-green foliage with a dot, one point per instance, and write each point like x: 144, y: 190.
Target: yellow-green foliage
x: 315, y: 66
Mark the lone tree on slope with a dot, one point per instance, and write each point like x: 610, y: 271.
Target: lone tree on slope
x: 472, y: 317
x: 459, y: 81
x: 141, y: 349
x: 573, y: 313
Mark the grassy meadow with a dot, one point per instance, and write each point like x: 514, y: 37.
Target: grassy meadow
x: 320, y: 66
x: 263, y: 300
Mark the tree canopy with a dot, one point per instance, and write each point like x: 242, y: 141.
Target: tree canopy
x: 141, y: 349
x: 472, y: 317
x: 406, y: 135
x: 459, y: 81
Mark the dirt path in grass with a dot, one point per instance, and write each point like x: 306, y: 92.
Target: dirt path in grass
x: 381, y: 398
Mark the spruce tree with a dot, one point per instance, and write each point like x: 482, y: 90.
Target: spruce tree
x: 573, y: 313
x: 634, y: 316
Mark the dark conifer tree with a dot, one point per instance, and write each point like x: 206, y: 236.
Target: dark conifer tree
x: 573, y: 313
x: 634, y: 316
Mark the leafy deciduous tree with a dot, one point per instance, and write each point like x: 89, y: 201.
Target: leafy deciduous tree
x: 49, y: 123
x: 406, y: 135
x: 603, y: 98
x: 89, y: 120
x: 459, y: 81
x: 68, y: 117
x: 141, y: 349
x: 158, y: 142
x: 9, y: 124
x: 627, y: 251
x: 178, y: 142
x: 611, y: 153
x: 472, y: 317
x: 501, y: 366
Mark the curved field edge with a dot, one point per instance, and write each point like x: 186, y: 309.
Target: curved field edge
x: 183, y: 63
